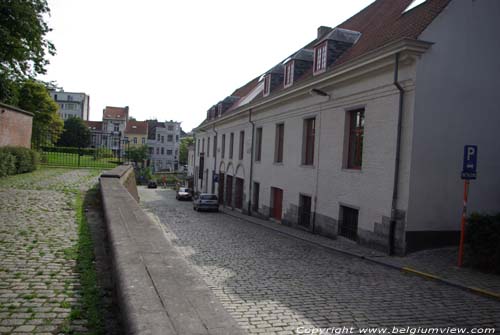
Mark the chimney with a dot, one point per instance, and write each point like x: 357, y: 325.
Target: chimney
x: 322, y: 30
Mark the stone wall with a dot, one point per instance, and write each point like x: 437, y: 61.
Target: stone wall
x: 15, y: 126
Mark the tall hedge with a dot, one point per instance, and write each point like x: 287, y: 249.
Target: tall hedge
x: 14, y: 160
x: 483, y: 242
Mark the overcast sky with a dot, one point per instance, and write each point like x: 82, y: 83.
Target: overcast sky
x: 175, y: 59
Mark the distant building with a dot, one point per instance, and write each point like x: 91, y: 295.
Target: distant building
x: 163, y: 143
x: 72, y: 104
x: 136, y: 133
x: 15, y: 126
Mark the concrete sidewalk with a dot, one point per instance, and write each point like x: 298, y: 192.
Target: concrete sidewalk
x: 435, y: 264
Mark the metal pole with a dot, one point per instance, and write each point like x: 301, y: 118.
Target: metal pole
x: 462, y: 224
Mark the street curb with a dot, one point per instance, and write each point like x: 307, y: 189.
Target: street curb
x: 405, y: 269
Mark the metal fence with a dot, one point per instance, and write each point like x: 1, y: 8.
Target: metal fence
x: 101, y: 150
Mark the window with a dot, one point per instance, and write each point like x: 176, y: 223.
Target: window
x: 116, y: 127
x: 163, y: 151
x: 158, y: 137
x: 169, y: 152
x: 231, y: 145
x: 289, y: 74
x: 242, y: 145
x: 176, y: 138
x: 157, y: 151
x: 143, y: 140
x: 256, y: 192
x: 208, y: 146
x: 223, y: 146
x: 278, y: 147
x: 258, y: 144
x: 203, y: 145
x: 163, y: 139
x: 267, y: 85
x: 356, y: 133
x: 135, y: 140
x: 215, y: 145
x: 308, y: 141
x: 151, y: 150
x: 198, y: 146
x: 170, y: 138
x: 170, y: 127
x: 320, y: 58
x: 304, y: 210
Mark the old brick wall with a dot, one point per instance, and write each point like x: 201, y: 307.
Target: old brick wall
x: 15, y: 127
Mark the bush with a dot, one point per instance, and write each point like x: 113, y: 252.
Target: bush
x: 483, y: 242
x: 7, y: 164
x: 25, y: 160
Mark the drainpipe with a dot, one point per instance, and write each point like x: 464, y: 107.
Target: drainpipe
x: 317, y: 170
x: 392, y: 224
x: 251, y: 164
x: 215, y: 158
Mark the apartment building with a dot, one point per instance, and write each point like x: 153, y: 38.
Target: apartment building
x: 72, y: 104
x: 136, y: 133
x: 360, y: 133
x: 163, y: 143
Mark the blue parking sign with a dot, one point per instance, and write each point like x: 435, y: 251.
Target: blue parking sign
x: 469, y: 169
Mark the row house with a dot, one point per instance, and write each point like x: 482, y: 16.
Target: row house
x: 163, y: 142
x: 136, y: 133
x: 71, y: 104
x: 360, y: 133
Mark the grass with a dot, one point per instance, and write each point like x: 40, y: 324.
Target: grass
x: 74, y: 160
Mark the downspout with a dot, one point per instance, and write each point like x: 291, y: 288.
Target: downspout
x: 317, y: 172
x: 251, y: 164
x: 392, y: 225
x: 215, y: 158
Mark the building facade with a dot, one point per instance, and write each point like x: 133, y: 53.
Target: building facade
x: 163, y: 143
x: 360, y: 134
x: 136, y: 133
x: 72, y: 104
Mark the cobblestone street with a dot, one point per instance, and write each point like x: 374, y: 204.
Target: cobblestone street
x: 272, y: 284
x: 39, y: 282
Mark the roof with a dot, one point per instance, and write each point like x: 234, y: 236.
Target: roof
x: 117, y: 113
x: 137, y: 127
x: 379, y: 24
x: 94, y: 125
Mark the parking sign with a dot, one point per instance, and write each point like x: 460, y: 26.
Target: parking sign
x: 470, y: 162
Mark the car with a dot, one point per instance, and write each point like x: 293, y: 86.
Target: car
x: 152, y: 184
x: 183, y: 193
x: 206, y: 201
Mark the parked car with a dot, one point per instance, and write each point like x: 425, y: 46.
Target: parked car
x: 206, y: 201
x: 152, y: 184
x: 183, y: 193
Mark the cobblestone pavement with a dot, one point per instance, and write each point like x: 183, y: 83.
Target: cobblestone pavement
x: 272, y: 283
x: 39, y: 284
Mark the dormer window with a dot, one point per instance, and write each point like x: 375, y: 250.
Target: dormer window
x: 289, y: 74
x: 267, y: 85
x: 219, y: 110
x: 320, y: 58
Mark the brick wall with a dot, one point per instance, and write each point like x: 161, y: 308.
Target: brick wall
x: 15, y: 127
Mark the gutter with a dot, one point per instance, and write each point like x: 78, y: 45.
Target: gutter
x: 392, y: 224
x: 251, y: 164
x: 215, y: 158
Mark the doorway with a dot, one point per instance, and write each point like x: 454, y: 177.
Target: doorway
x: 276, y: 203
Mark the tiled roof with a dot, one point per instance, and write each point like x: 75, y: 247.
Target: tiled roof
x: 118, y: 113
x: 137, y: 127
x: 382, y: 22
x: 94, y: 125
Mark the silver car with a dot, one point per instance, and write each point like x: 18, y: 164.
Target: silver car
x: 206, y: 201
x: 183, y: 193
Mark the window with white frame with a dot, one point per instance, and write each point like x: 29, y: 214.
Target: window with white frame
x: 267, y: 85
x: 289, y: 74
x: 320, y: 58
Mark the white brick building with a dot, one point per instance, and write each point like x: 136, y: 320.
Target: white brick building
x: 361, y: 133
x: 163, y: 143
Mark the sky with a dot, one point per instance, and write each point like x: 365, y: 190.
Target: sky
x: 173, y: 60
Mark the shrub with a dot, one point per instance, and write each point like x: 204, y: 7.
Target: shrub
x: 483, y: 242
x: 25, y: 160
x: 7, y: 164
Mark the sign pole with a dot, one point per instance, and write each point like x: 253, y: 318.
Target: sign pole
x: 462, y: 225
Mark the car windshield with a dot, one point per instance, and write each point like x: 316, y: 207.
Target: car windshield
x: 182, y: 189
x: 208, y: 197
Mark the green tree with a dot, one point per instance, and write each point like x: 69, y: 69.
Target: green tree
x: 47, y: 124
x: 75, y: 134
x: 183, y: 149
x: 24, y: 47
x: 138, y: 154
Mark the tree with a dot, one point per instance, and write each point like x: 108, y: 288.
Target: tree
x: 24, y: 47
x: 75, y: 134
x: 47, y: 124
x: 183, y: 149
x: 137, y: 154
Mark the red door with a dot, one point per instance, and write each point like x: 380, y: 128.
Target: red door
x: 277, y: 205
x: 229, y: 191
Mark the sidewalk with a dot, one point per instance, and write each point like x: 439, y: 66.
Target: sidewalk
x: 435, y: 264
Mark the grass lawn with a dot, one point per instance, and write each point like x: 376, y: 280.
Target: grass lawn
x: 67, y: 159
